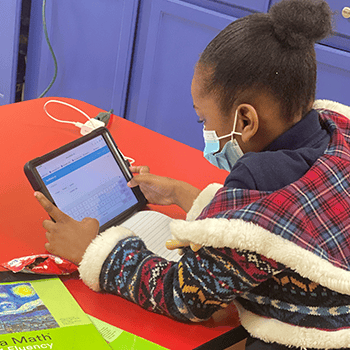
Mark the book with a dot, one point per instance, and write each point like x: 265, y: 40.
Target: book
x: 153, y: 228
x: 42, y: 314
x: 122, y: 340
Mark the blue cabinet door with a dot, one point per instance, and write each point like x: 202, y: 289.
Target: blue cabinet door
x: 92, y: 41
x: 333, y: 58
x: 10, y: 15
x: 237, y: 8
x: 255, y: 5
x: 160, y: 91
x: 333, y: 74
x: 341, y: 39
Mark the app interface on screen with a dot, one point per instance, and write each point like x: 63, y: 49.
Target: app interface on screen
x: 87, y: 182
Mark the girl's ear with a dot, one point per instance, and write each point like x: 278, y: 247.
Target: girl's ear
x: 247, y: 121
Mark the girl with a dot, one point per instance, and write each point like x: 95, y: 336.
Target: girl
x: 275, y: 238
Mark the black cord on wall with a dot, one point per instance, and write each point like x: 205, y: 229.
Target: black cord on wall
x: 51, y: 50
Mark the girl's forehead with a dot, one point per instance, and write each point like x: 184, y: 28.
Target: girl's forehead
x: 198, y: 82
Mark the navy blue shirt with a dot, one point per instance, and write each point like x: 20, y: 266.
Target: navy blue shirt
x: 285, y: 160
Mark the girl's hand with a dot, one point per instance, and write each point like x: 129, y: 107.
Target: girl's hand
x: 157, y: 189
x: 163, y: 190
x: 67, y: 237
x: 172, y: 244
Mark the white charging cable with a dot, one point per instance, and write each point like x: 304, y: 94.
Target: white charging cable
x: 90, y: 125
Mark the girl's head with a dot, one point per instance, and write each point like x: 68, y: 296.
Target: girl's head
x: 265, y: 59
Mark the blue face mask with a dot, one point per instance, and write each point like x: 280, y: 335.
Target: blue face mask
x: 230, y: 153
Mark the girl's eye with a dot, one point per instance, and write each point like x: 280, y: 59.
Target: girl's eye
x: 200, y: 121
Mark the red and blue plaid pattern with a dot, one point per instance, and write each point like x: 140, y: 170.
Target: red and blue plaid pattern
x: 313, y: 212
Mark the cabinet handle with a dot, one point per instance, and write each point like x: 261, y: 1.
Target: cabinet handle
x: 346, y: 12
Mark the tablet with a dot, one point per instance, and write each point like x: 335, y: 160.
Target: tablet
x: 87, y: 178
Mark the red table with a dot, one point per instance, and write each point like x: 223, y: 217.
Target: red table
x: 27, y: 132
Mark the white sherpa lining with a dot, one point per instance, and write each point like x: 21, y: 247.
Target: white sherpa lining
x: 242, y: 235
x: 333, y: 106
x: 97, y: 252
x: 271, y: 330
x: 202, y: 201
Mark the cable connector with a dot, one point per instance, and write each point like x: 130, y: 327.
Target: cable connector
x: 90, y: 125
x: 104, y: 116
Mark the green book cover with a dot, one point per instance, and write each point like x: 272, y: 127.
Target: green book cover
x: 122, y: 340
x: 42, y: 314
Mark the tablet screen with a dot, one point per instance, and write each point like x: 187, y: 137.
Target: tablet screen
x: 86, y: 181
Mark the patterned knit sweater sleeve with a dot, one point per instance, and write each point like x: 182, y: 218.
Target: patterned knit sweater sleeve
x: 189, y: 290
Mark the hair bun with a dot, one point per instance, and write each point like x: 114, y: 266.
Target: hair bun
x: 299, y: 23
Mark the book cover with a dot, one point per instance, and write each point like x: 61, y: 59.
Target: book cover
x: 42, y: 314
x: 122, y: 340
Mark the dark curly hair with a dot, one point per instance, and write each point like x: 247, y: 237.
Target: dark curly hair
x: 272, y: 52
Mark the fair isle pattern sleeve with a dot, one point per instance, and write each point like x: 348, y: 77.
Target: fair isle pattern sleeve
x: 190, y: 290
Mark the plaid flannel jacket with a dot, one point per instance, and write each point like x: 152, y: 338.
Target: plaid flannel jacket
x: 283, y: 256
x: 313, y: 212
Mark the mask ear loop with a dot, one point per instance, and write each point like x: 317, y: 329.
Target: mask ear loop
x: 234, y: 127
x: 210, y: 135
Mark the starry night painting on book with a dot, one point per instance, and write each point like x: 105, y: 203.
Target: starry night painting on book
x: 21, y: 310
